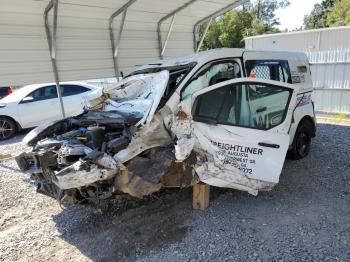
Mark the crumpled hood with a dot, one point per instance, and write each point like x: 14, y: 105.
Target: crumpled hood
x: 139, y: 94
x: 119, y: 145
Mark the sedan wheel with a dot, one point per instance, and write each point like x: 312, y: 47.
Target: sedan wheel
x: 7, y: 128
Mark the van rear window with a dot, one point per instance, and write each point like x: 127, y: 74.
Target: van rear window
x: 277, y: 70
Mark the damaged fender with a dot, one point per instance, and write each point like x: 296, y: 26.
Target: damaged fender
x: 119, y: 145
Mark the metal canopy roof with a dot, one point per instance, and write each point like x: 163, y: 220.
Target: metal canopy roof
x: 81, y: 46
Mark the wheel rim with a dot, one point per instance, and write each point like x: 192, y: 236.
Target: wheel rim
x: 303, y: 143
x: 6, y: 129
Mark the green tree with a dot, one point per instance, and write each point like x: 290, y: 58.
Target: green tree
x: 318, y: 16
x: 233, y: 27
x: 211, y: 40
x: 230, y: 29
x: 264, y: 10
x: 339, y: 15
x: 258, y: 28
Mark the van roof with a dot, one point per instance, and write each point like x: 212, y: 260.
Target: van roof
x: 205, y: 56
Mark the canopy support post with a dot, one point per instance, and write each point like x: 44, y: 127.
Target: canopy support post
x: 51, y: 40
x: 162, y: 47
x: 115, y: 46
x: 204, y: 34
x: 168, y: 35
x: 212, y: 16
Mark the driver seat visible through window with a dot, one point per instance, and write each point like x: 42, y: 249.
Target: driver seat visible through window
x: 211, y: 74
x: 252, y: 105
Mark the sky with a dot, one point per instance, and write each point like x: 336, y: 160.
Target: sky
x: 292, y: 16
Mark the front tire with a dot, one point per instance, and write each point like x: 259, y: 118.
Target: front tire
x: 302, y: 142
x: 7, y: 128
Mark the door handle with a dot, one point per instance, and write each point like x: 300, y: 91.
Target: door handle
x: 269, y: 145
x: 261, y: 109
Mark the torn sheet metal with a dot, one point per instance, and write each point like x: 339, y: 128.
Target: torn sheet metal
x: 82, y: 174
x: 214, y: 166
x: 120, y: 146
x: 218, y: 167
x: 150, y: 136
x: 139, y: 94
x: 144, y: 174
x: 213, y: 175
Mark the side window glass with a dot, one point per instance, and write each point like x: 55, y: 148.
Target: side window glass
x: 71, y: 90
x: 50, y: 92
x: 37, y: 94
x: 261, y: 91
x: 44, y: 93
x: 3, y: 91
x: 261, y: 72
x: 209, y: 104
x: 281, y: 76
x: 258, y: 106
x: 211, y: 74
x: 267, y: 104
x: 269, y: 70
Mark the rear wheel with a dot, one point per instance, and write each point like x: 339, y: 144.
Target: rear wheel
x: 7, y: 128
x: 302, y: 142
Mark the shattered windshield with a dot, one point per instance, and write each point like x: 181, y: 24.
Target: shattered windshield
x: 137, y: 94
x: 176, y: 75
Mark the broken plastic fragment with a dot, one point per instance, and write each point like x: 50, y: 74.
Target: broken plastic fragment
x: 80, y: 174
x: 183, y: 148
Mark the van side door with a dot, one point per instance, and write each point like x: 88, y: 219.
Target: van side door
x: 244, y: 147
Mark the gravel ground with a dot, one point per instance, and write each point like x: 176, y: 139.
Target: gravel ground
x: 305, y: 218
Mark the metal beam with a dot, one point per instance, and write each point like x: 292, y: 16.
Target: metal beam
x: 162, y: 47
x: 212, y: 16
x: 115, y: 46
x: 204, y: 35
x: 51, y: 40
x: 168, y: 35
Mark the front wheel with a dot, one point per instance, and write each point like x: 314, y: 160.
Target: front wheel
x: 7, y: 128
x: 301, y: 143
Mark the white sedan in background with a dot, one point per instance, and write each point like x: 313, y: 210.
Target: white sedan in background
x: 34, y: 105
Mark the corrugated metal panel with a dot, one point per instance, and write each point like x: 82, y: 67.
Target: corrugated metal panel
x: 335, y: 38
x: 83, y: 43
x: 332, y: 101
x: 330, y: 69
x: 332, y: 56
x: 300, y: 42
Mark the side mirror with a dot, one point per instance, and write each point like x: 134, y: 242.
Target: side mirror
x: 28, y: 99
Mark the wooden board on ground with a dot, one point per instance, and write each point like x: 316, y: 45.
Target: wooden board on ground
x: 201, y: 194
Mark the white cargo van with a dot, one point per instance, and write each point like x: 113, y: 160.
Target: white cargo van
x: 271, y: 77
x: 224, y: 117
